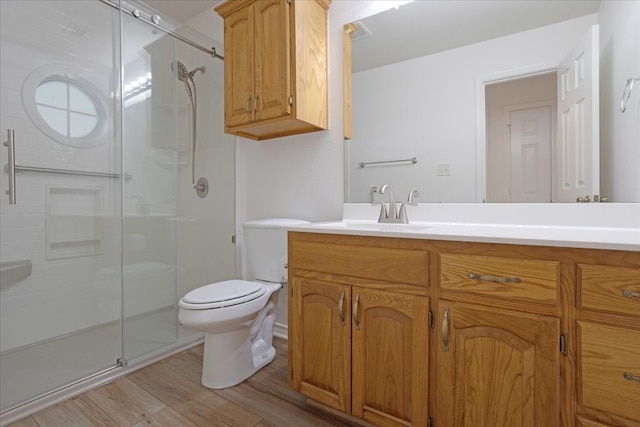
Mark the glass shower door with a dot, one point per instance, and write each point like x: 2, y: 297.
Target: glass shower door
x: 60, y: 287
x: 149, y: 126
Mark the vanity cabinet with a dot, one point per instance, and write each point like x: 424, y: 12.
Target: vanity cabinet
x: 275, y: 67
x: 608, y: 332
x: 496, y: 367
x: 410, y: 331
x: 358, y: 329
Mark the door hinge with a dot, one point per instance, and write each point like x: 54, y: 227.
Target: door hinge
x: 563, y: 343
x: 291, y: 100
x: 429, y: 422
x: 233, y: 238
x: 430, y: 321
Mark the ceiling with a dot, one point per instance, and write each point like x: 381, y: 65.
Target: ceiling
x: 424, y: 27
x: 182, y: 10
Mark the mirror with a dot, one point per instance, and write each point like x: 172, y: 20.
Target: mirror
x: 423, y: 82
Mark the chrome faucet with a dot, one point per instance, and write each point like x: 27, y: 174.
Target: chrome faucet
x: 402, y: 216
x: 391, y: 214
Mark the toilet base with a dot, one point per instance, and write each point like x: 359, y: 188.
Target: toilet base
x: 230, y: 358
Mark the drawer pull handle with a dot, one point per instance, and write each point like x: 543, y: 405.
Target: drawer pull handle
x: 355, y: 312
x: 341, y: 307
x: 494, y: 278
x: 445, y: 330
x: 630, y: 294
x: 629, y: 376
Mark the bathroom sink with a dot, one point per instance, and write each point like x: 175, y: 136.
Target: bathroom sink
x: 373, y: 226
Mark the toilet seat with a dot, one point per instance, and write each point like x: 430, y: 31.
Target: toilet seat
x: 222, y: 294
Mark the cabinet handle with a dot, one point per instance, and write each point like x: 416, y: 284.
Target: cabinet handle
x: 494, y: 278
x: 355, y: 312
x: 445, y: 330
x: 341, y: 307
x: 630, y: 294
x: 629, y: 376
x: 255, y: 105
x: 249, y: 107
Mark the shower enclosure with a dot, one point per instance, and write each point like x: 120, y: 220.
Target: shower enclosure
x: 107, y: 232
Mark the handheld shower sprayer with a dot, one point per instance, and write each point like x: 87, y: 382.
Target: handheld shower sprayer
x: 184, y: 75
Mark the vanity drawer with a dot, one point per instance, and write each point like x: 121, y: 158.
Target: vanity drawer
x: 386, y: 264
x: 522, y: 279
x: 609, y: 364
x: 615, y: 289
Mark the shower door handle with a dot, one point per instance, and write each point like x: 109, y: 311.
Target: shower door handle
x: 11, y: 165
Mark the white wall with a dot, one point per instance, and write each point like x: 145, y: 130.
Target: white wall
x: 426, y: 108
x: 619, y: 133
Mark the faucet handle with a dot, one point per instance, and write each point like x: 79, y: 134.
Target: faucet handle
x: 402, y: 216
x: 413, y: 193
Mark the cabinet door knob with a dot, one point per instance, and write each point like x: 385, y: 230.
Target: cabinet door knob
x: 445, y: 330
x: 630, y: 294
x: 256, y: 105
x: 341, y: 307
x: 356, y: 320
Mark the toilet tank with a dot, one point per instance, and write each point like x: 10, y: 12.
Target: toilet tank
x: 266, y: 247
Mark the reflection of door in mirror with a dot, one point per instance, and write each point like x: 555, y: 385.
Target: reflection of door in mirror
x: 575, y: 155
x: 519, y: 139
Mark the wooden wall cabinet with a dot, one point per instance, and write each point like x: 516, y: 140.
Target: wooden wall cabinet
x: 275, y: 67
x: 520, y: 335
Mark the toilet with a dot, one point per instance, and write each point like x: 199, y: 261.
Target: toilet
x: 237, y: 316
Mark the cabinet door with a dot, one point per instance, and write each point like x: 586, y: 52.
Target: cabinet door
x: 496, y: 367
x: 320, y: 341
x: 273, y: 59
x: 390, y: 352
x: 239, y: 65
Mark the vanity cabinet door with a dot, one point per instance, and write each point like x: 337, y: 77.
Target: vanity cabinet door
x: 390, y: 352
x: 320, y: 341
x: 496, y: 367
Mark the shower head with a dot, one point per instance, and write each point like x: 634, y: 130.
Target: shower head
x: 181, y: 70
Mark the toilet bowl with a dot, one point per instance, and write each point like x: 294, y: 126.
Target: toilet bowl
x: 237, y: 316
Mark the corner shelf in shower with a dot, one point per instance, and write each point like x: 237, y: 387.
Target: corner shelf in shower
x: 13, y: 272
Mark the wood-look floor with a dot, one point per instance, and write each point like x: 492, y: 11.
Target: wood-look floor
x: 169, y: 393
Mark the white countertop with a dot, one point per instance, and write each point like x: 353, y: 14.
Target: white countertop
x: 616, y: 226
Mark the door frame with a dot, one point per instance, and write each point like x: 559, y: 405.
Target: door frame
x: 481, y: 125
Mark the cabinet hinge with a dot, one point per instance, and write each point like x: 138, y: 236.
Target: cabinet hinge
x: 291, y: 291
x: 429, y: 422
x: 291, y: 100
x: 430, y: 318
x: 563, y: 343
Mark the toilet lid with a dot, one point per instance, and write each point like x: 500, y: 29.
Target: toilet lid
x: 223, y: 294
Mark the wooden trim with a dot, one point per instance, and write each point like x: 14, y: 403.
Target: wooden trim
x: 349, y: 29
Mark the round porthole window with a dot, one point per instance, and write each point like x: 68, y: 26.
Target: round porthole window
x: 65, y: 106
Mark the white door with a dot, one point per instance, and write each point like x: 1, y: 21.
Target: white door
x: 530, y: 163
x: 576, y: 157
